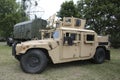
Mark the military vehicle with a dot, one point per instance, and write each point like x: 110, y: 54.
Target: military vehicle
x: 27, y: 30
x: 69, y: 41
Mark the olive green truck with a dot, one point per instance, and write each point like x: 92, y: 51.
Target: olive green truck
x: 27, y: 30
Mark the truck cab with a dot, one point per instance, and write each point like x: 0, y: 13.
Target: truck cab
x: 67, y: 42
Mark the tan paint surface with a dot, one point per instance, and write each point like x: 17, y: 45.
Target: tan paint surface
x: 59, y: 52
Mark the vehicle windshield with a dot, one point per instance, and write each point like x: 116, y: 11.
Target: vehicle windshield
x: 56, y: 35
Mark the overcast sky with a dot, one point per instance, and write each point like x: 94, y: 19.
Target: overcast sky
x: 51, y: 6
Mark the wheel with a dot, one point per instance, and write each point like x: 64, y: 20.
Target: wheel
x: 99, y: 56
x: 10, y: 41
x: 34, y: 61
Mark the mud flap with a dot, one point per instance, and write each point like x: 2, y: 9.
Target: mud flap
x: 107, y: 55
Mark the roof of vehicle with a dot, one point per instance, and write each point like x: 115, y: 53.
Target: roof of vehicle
x: 75, y: 29
x: 23, y: 23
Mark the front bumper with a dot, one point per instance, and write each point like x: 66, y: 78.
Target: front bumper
x: 14, y: 48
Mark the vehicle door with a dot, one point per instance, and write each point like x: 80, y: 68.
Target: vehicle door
x: 88, y: 44
x: 70, y: 48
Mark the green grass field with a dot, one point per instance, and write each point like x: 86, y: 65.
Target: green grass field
x: 80, y: 70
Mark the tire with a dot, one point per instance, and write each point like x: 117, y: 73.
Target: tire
x: 99, y: 56
x: 34, y: 61
x: 10, y: 41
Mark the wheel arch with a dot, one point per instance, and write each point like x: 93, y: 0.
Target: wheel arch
x: 101, y: 47
x: 42, y: 49
x: 107, y: 52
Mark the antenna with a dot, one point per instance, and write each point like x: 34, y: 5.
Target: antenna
x: 32, y: 8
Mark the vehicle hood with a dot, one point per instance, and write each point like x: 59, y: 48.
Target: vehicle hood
x: 47, y: 44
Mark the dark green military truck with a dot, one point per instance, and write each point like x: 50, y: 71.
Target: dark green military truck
x: 27, y: 30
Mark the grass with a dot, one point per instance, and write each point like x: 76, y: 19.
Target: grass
x: 80, y: 70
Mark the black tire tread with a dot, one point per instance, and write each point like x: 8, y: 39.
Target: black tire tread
x: 99, y: 52
x: 40, y: 55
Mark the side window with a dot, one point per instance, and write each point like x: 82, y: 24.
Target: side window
x: 73, y: 36
x: 46, y: 35
x: 90, y: 38
x: 66, y: 38
x: 56, y: 34
x: 69, y: 38
x: 67, y: 22
x: 78, y: 22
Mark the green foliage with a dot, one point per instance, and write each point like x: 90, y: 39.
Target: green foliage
x: 95, y: 14
x: 10, y: 14
x: 68, y: 9
x: 115, y: 40
x: 103, y: 17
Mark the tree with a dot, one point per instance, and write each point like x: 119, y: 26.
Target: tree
x: 68, y: 9
x: 94, y: 12
x: 102, y: 16
x: 10, y: 14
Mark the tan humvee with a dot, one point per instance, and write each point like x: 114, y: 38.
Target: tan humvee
x: 69, y: 41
